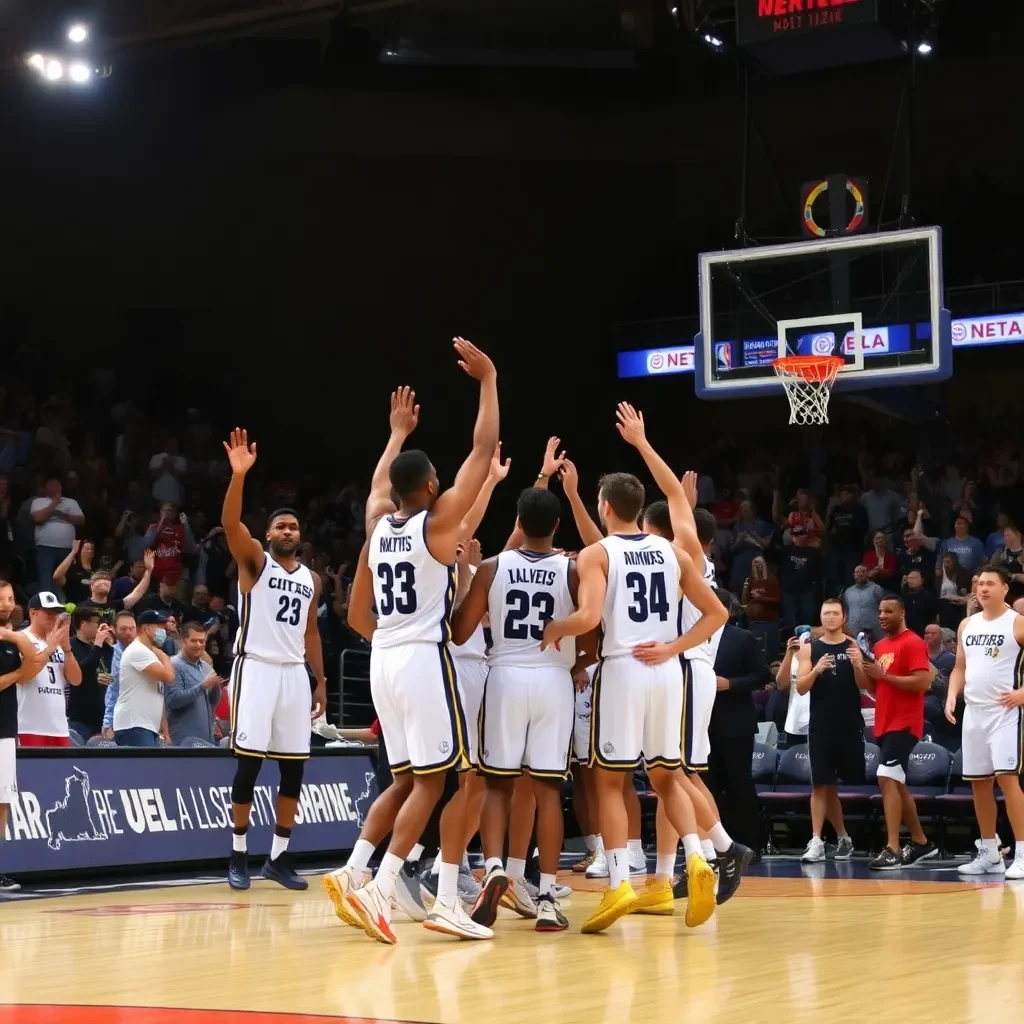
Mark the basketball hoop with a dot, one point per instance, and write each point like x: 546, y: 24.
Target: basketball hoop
x: 808, y: 382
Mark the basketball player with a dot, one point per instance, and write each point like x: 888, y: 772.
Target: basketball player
x: 899, y: 677
x: 412, y: 680
x: 277, y: 635
x: 630, y: 582
x: 42, y: 708
x: 20, y: 662
x: 835, y: 734
x: 989, y: 671
x: 526, y: 717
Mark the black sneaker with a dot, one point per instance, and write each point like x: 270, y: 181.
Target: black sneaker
x: 680, y: 889
x: 887, y: 860
x: 8, y: 884
x: 913, y: 852
x: 238, y: 871
x: 282, y: 872
x: 549, y: 915
x: 731, y: 866
x: 428, y: 884
x: 495, y: 885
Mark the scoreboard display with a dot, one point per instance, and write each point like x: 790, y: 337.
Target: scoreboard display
x: 758, y: 21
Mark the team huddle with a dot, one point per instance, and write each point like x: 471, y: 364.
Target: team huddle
x: 629, y: 628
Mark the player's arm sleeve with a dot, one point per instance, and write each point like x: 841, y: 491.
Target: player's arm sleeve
x: 473, y: 607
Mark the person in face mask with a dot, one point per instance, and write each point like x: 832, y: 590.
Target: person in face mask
x: 139, y: 719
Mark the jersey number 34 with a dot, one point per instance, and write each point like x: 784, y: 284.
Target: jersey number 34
x: 647, y: 601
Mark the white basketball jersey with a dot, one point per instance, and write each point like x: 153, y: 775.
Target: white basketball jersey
x: 641, y: 604
x: 688, y: 616
x: 42, y: 709
x: 475, y: 648
x: 413, y: 591
x: 528, y: 589
x: 273, y: 615
x: 993, y: 658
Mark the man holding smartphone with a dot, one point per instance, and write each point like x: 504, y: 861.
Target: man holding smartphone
x: 92, y: 645
x: 830, y: 669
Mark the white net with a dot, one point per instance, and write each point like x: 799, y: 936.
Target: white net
x: 808, y: 382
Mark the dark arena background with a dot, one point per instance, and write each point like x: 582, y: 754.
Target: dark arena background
x: 272, y: 213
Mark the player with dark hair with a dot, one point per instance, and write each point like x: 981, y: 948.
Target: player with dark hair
x: 270, y: 698
x: 411, y: 558
x: 899, y: 676
x: 631, y: 582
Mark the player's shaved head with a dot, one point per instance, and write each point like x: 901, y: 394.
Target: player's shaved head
x: 411, y: 475
x: 624, y: 493
x: 538, y: 510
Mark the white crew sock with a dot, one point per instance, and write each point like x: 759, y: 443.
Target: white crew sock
x: 448, y: 885
x: 360, y: 856
x: 492, y: 864
x: 435, y: 868
x: 691, y: 845
x: 277, y: 846
x: 707, y: 849
x: 515, y: 868
x: 635, y: 846
x: 1018, y: 851
x: 592, y: 842
x: 618, y: 867
x: 720, y: 839
x: 390, y: 865
x: 665, y: 867
x: 414, y: 854
x: 547, y: 885
x: 238, y: 844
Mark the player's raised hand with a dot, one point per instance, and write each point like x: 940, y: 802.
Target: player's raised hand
x: 473, y: 553
x: 630, y: 424
x: 689, y: 482
x: 552, y: 462
x: 241, y: 454
x: 498, y: 469
x: 476, y: 363
x: 570, y: 478
x: 405, y: 413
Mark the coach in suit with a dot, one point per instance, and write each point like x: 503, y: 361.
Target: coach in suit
x: 741, y: 669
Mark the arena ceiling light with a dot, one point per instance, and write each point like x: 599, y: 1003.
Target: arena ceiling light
x: 924, y: 48
x: 715, y: 42
x: 79, y: 73
x: 78, y: 33
x: 56, y: 69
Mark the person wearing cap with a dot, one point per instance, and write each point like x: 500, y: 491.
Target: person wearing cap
x: 970, y: 551
x: 42, y: 715
x: 100, y: 600
x: 144, y: 670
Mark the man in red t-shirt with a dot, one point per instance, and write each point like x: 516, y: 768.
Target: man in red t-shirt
x: 899, y: 677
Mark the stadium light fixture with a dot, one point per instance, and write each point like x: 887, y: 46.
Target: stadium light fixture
x: 924, y: 48
x: 37, y: 61
x: 78, y: 33
x: 714, y: 42
x: 54, y: 70
x: 79, y: 73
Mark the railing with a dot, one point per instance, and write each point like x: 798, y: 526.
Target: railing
x: 354, y: 707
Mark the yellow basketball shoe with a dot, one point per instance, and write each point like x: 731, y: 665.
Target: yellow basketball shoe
x: 700, y: 904
x: 654, y: 898
x: 615, y: 903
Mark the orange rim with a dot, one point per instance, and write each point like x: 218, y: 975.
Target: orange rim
x: 814, y: 369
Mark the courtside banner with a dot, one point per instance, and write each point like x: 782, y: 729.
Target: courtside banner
x: 98, y: 809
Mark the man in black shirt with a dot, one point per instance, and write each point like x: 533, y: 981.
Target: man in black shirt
x: 166, y: 600
x: 19, y: 663
x: 92, y: 645
x: 847, y: 526
x: 920, y: 602
x: 99, y: 593
x: 830, y: 668
x: 799, y: 580
x: 915, y: 554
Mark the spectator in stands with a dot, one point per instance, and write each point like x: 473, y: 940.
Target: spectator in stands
x: 165, y: 600
x: 880, y: 563
x: 194, y: 693
x: 861, y: 604
x: 803, y: 523
x: 167, y: 469
x: 6, y: 531
x: 201, y: 601
x: 100, y: 601
x: 143, y: 671
x: 73, y: 574
x: 55, y: 518
x: 125, y: 632
x: 939, y: 642
x: 882, y: 506
x: 172, y: 642
x: 969, y: 506
x: 170, y: 537
x: 1011, y: 557
x: 751, y: 537
x: 941, y: 657
x: 954, y: 588
x: 996, y: 540
x: 124, y: 585
x: 920, y: 603
x: 216, y: 567
x: 761, y: 599
x: 970, y: 551
x: 847, y: 529
x: 132, y: 535
x: 917, y: 552
x: 800, y: 570
x: 92, y: 645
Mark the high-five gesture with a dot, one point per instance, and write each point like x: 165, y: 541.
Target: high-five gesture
x: 499, y: 470
x: 552, y: 462
x: 405, y: 413
x: 689, y: 482
x: 630, y: 424
x: 476, y: 363
x: 241, y: 454
x: 570, y: 479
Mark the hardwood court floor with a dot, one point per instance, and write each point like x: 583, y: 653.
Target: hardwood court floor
x: 824, y: 945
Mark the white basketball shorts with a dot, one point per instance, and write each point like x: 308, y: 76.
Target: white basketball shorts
x: 526, y: 721
x: 581, y: 725
x: 8, y: 772
x: 699, y: 689
x: 416, y: 696
x: 992, y: 741
x: 636, y: 713
x: 271, y: 705
x: 471, y: 673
